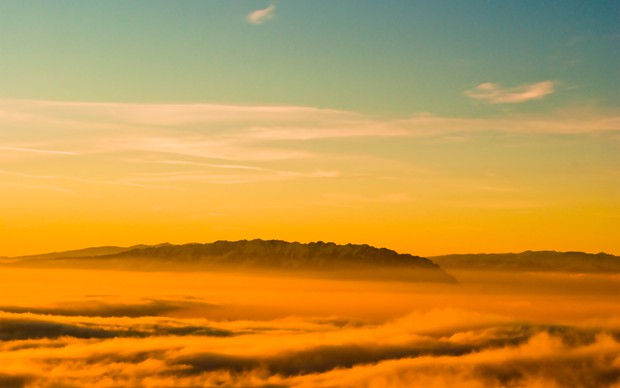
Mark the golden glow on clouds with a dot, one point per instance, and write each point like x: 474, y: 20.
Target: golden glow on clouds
x: 78, y: 174
x: 152, y: 329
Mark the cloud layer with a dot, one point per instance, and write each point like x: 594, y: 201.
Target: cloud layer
x: 180, y: 342
x: 236, y: 144
x: 250, y: 133
x: 306, y: 353
x: 495, y: 94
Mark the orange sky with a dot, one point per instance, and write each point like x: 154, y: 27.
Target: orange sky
x: 84, y: 174
x: 428, y: 128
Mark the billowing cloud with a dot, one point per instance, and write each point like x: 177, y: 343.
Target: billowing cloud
x: 99, y: 308
x: 260, y: 16
x: 480, y: 354
x: 104, y: 340
x: 542, y: 360
x: 14, y: 381
x: 495, y: 94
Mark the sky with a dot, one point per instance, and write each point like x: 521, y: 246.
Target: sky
x: 425, y: 127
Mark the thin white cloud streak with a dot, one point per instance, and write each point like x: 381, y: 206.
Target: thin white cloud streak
x: 360, y: 129
x: 151, y: 116
x: 429, y: 125
x: 211, y: 165
x: 56, y: 189
x: 36, y: 150
x: 277, y: 122
x: 263, y: 175
x: 73, y: 179
x: 220, y: 147
x: 260, y: 16
x: 495, y: 94
x: 359, y: 201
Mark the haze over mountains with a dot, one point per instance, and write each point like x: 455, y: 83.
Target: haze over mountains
x: 316, y: 259
x: 86, y: 252
x: 325, y: 315
x: 533, y: 261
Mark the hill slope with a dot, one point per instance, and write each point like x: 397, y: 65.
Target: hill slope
x: 86, y: 252
x: 534, y: 261
x: 318, y: 258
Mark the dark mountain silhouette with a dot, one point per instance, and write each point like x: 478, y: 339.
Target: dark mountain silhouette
x: 317, y: 258
x: 534, y: 261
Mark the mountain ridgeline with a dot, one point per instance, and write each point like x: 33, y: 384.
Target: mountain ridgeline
x: 276, y: 253
x: 313, y: 259
x: 317, y: 259
x: 533, y: 261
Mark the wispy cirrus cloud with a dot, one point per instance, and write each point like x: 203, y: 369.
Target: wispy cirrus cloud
x: 36, y: 150
x: 260, y: 16
x: 65, y: 179
x: 253, y: 175
x: 239, y: 132
x: 270, y: 142
x: 495, y: 94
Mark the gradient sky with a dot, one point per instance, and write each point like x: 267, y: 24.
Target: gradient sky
x: 425, y: 127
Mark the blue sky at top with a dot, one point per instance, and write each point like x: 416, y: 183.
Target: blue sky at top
x: 377, y: 57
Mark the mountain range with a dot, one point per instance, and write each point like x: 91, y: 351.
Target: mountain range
x: 314, y: 259
x: 533, y: 261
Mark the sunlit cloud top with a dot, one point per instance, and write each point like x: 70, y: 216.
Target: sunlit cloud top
x: 261, y: 16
